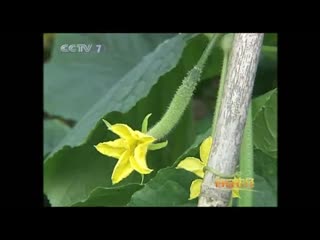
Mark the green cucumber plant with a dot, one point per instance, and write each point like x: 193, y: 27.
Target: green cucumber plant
x: 136, y: 76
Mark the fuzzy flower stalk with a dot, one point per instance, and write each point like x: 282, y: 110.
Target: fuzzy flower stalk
x: 183, y: 96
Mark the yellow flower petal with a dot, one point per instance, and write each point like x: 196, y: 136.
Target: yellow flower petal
x: 131, y: 149
x: 122, y: 169
x: 192, y: 164
x: 112, y: 148
x: 205, y: 150
x: 195, y: 189
x: 142, y: 137
x: 138, y: 161
x: 122, y: 130
x: 235, y: 193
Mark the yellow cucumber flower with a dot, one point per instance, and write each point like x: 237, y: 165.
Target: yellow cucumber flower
x: 196, y: 166
x: 130, y: 150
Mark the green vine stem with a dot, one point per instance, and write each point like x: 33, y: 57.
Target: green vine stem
x: 226, y: 44
x: 183, y: 96
x: 246, y: 161
x: 232, y: 116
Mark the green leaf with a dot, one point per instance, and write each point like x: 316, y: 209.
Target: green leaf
x: 53, y: 131
x: 73, y: 82
x: 266, y: 72
x: 259, y: 102
x: 170, y: 187
x: 266, y: 167
x: 135, y: 85
x: 265, y: 123
x: 265, y: 154
x: 264, y: 196
x: 71, y: 174
x: 106, y: 197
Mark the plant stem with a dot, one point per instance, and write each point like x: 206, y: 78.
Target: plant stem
x: 182, y: 97
x: 220, y: 91
x: 236, y: 97
x: 270, y: 49
x: 246, y: 160
x: 226, y: 44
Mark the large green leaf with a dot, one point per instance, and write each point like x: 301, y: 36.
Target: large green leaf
x: 73, y: 82
x: 53, y: 131
x: 170, y: 187
x: 264, y: 195
x: 135, y: 85
x: 266, y: 166
x: 267, y: 71
x: 259, y: 102
x: 264, y: 109
x: 265, y: 123
x: 105, y: 197
x: 75, y: 172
